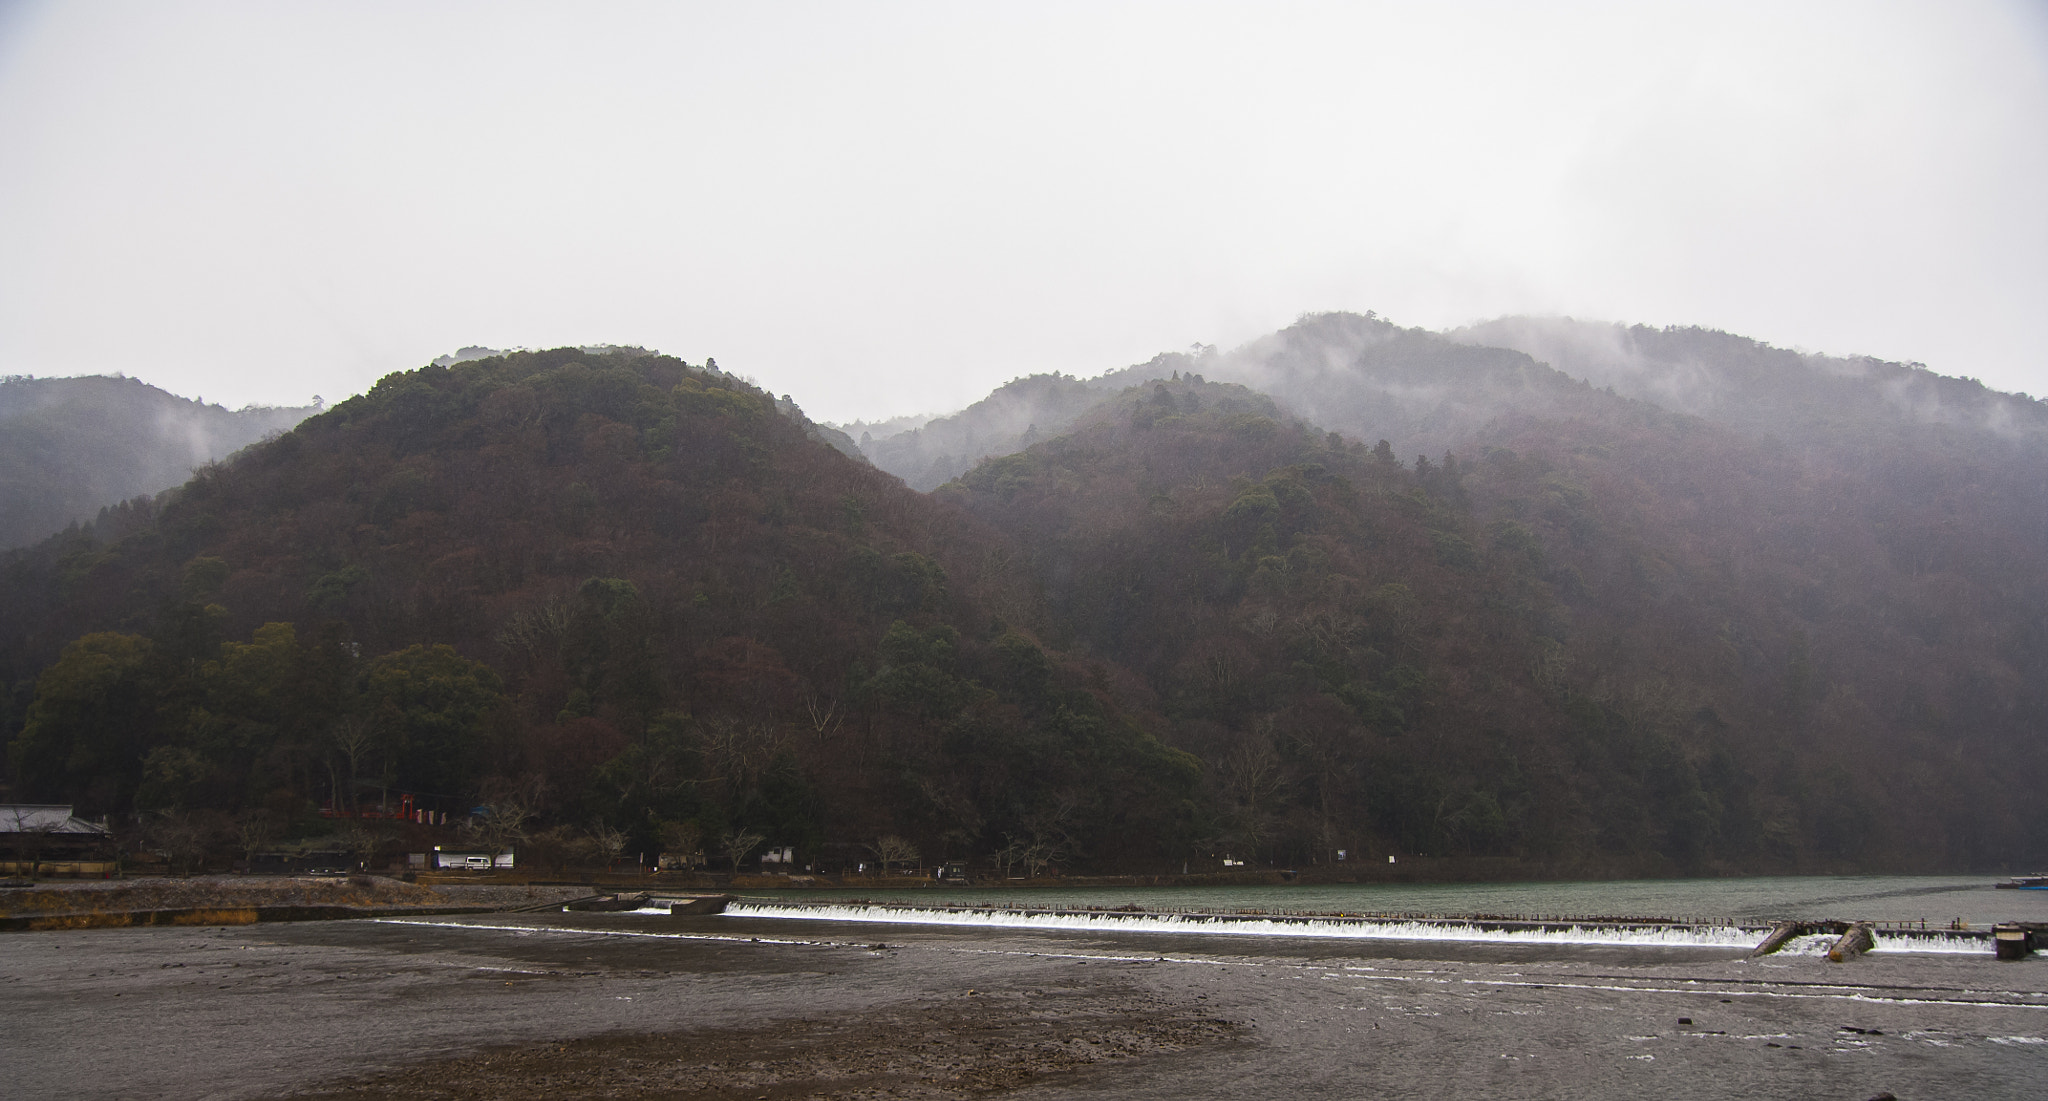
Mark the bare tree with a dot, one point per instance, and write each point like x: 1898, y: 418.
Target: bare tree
x: 608, y: 842
x: 554, y: 849
x: 681, y: 839
x: 736, y: 753
x: 353, y: 737
x: 541, y: 628
x: 737, y: 844
x: 1033, y: 854
x: 122, y: 834
x: 1048, y: 834
x: 182, y: 838
x: 1250, y: 776
x: 825, y: 715
x: 254, y: 829
x: 1041, y: 855
x: 1010, y: 855
x: 508, y: 805
x: 362, y: 840
x: 891, y: 849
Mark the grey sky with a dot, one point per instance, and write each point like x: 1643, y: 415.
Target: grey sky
x: 889, y: 208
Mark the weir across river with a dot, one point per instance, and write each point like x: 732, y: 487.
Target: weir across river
x: 1815, y: 937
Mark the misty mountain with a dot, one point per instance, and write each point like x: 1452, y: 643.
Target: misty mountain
x: 1610, y: 633
x: 1427, y: 392
x: 478, y: 351
x: 928, y: 452
x: 1365, y: 376
x: 467, y: 353
x: 1847, y: 559
x: 823, y: 433
x: 1360, y: 660
x: 1407, y: 594
x: 71, y: 446
x: 1360, y: 374
x: 1750, y: 385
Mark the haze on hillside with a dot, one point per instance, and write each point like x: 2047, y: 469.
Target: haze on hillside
x: 890, y: 209
x: 1351, y: 586
x: 70, y: 447
x: 1427, y: 392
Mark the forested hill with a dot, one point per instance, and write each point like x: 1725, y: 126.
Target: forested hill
x: 1872, y: 536
x: 1836, y: 542
x: 1628, y: 637
x: 1418, y: 596
x: 71, y: 446
x: 1014, y: 416
x: 626, y: 595
x: 1430, y: 392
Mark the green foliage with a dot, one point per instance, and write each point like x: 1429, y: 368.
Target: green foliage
x: 1454, y: 550
x: 329, y: 592
x: 1022, y: 670
x: 204, y: 576
x: 903, y: 644
x: 916, y: 675
x: 431, y: 703
x: 90, y: 723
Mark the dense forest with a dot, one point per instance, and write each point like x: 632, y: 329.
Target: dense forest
x: 69, y: 446
x: 1501, y: 656
x: 1592, y: 600
x: 627, y: 596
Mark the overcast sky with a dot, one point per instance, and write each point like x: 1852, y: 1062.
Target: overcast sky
x: 886, y: 208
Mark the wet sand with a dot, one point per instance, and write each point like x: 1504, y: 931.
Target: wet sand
x: 968, y: 1043
x: 586, y: 1006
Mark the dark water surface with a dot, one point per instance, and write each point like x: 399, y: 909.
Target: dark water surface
x: 263, y: 1011
x: 1933, y: 899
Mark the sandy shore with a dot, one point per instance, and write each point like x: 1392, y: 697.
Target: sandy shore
x: 971, y: 1042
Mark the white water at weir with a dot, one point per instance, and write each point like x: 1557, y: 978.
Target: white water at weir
x: 1590, y: 933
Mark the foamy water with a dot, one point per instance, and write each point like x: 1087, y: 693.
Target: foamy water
x: 1936, y: 901
x: 1340, y: 928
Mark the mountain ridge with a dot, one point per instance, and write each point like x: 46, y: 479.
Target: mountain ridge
x: 72, y: 446
x: 1199, y: 620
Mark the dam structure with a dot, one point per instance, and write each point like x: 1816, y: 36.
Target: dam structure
x: 1730, y: 934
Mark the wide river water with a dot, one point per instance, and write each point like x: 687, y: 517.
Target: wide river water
x: 274, y: 1010
x: 1935, y: 900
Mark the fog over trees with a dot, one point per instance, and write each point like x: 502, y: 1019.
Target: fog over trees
x: 70, y: 446
x: 1573, y: 598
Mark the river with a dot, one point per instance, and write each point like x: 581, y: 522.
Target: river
x: 857, y: 1001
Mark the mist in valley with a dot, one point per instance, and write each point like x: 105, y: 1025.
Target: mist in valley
x: 71, y: 446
